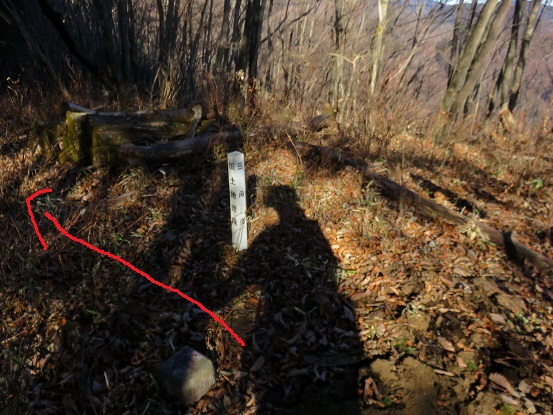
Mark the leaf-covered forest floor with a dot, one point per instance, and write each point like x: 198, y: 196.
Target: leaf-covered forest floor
x: 348, y: 302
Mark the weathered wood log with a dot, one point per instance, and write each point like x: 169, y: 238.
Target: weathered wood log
x: 184, y: 148
x: 514, y: 249
x: 91, y: 137
x: 148, y: 125
x: 110, y: 131
x: 75, y: 143
x: 174, y: 149
x: 67, y: 140
x: 67, y: 106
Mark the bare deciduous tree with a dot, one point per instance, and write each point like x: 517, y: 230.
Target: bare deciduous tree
x: 247, y: 57
x: 481, y: 40
x: 223, y: 48
x: 378, y: 48
x: 531, y: 24
x: 338, y: 56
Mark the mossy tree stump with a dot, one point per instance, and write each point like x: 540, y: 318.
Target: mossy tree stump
x: 93, y: 138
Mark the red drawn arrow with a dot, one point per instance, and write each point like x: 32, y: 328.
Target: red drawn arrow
x: 120, y: 260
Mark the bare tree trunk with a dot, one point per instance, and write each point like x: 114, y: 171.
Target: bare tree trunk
x: 338, y: 58
x: 419, y: 37
x: 251, y: 38
x: 270, y: 48
x: 105, y: 12
x: 172, y: 23
x: 500, y: 94
x: 168, y: 14
x: 353, y: 86
x: 378, y: 46
x: 161, y: 32
x: 455, y: 43
x: 194, y: 48
x: 125, y: 37
x: 132, y: 42
x: 223, y: 48
x: 236, y: 35
x: 207, y: 53
x: 531, y: 24
x: 473, y: 6
x: 482, y: 38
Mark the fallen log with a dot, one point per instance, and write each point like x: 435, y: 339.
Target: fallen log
x: 76, y: 136
x: 174, y: 149
x: 92, y: 137
x: 67, y: 106
x: 183, y: 148
x: 514, y: 249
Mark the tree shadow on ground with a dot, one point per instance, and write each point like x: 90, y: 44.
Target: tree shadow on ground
x: 478, y: 181
x: 304, y: 332
x: 188, y: 250
x: 39, y: 279
x: 461, y: 204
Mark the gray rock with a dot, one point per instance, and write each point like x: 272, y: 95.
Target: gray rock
x: 187, y: 375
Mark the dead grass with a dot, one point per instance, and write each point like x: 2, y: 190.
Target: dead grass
x: 81, y: 334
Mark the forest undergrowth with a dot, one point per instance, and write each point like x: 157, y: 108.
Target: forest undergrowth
x: 383, y: 304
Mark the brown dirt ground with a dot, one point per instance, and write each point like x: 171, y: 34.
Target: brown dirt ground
x: 409, y: 316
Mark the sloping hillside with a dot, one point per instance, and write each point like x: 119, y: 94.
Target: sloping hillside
x: 347, y: 301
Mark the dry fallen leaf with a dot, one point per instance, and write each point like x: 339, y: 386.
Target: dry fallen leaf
x: 498, y: 318
x: 371, y: 390
x: 482, y: 382
x: 525, y: 386
x: 502, y: 381
x: 508, y: 399
x: 548, y: 380
x: 530, y: 407
x: 258, y: 364
x: 359, y: 296
x: 446, y: 344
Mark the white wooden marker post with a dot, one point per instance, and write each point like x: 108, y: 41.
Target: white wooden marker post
x: 237, y: 191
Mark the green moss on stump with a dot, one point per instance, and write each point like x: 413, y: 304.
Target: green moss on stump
x: 94, y: 139
x: 75, y: 141
x: 106, y: 140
